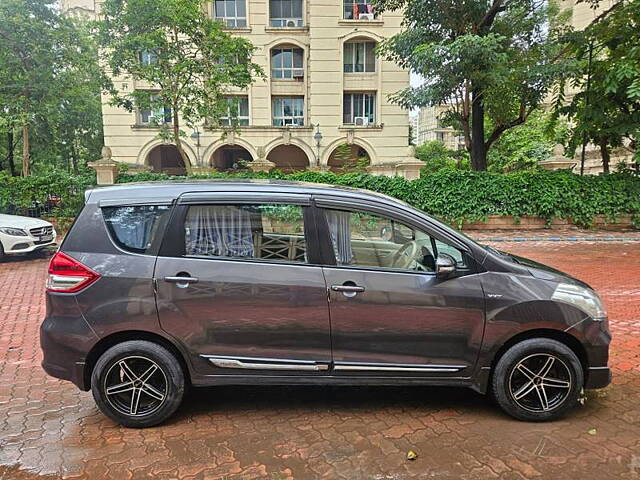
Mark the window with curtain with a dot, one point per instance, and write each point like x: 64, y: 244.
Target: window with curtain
x: 359, y: 57
x: 359, y: 106
x: 286, y: 13
x: 233, y: 13
x: 288, y: 111
x: 358, y: 10
x: 287, y: 63
x: 237, y: 111
x: 134, y: 227
x: 268, y: 231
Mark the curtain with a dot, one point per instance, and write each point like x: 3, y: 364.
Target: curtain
x: 340, y: 230
x: 219, y: 230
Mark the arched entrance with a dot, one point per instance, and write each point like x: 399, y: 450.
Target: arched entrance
x: 348, y: 158
x: 289, y: 158
x: 166, y: 159
x: 230, y: 158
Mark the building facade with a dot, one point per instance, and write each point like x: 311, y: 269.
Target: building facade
x: 323, y: 104
x: 430, y: 128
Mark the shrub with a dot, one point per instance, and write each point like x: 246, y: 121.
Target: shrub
x: 459, y: 196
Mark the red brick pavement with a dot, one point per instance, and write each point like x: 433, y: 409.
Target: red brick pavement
x: 49, y: 428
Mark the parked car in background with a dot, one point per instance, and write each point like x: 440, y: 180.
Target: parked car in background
x: 19, y: 235
x: 160, y: 286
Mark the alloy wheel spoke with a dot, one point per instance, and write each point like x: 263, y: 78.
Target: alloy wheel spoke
x: 555, y: 383
x: 542, y: 396
x: 544, y: 371
x: 526, y: 372
x: 144, y: 378
x: 127, y: 371
x: 524, y: 390
x: 135, y: 401
x: 120, y: 388
x: 152, y: 392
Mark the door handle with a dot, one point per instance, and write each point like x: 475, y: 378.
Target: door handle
x: 181, y: 281
x: 347, y: 288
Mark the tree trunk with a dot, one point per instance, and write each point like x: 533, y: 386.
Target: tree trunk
x: 10, y: 156
x: 178, y: 142
x: 478, y: 147
x: 25, y: 151
x: 606, y: 155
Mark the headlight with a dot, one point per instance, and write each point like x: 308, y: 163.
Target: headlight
x: 583, y: 298
x: 14, y: 232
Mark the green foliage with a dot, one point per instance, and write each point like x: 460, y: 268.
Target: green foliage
x: 483, y: 59
x: 606, y: 108
x: 462, y: 196
x: 23, y: 192
x: 193, y: 61
x: 437, y: 156
x: 524, y: 146
x: 50, y: 84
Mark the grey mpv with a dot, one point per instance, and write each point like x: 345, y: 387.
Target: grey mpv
x: 159, y: 286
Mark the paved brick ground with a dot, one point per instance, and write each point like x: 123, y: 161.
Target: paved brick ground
x: 48, y: 428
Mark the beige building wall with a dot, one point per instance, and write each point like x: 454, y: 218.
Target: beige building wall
x: 322, y: 39
x: 430, y: 128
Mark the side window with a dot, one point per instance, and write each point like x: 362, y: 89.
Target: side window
x: 134, y: 227
x: 270, y: 232
x: 365, y: 239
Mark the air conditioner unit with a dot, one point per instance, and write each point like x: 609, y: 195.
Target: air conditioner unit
x: 366, y: 16
x: 291, y: 23
x: 298, y: 73
x: 361, y: 121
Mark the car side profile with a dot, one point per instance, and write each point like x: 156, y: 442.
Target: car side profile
x: 160, y: 286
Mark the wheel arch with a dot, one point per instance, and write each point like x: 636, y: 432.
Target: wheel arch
x: 109, y: 341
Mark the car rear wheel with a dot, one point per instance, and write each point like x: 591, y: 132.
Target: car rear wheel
x: 538, y: 380
x: 138, y: 383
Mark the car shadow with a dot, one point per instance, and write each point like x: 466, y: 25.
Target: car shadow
x: 301, y: 399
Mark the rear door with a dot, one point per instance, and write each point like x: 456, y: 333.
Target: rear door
x: 390, y: 315
x: 240, y: 285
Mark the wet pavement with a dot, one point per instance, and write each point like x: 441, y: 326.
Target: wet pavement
x: 49, y: 429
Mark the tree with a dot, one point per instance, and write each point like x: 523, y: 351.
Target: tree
x: 482, y: 58
x: 190, y: 61
x: 437, y: 156
x: 525, y: 146
x: 44, y: 58
x: 605, y: 110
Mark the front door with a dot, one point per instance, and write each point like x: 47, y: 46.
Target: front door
x: 239, y: 289
x: 390, y: 315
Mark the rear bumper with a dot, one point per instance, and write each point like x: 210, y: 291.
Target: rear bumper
x: 65, y: 340
x: 598, y: 377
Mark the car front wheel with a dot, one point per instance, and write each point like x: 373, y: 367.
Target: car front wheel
x: 538, y: 380
x: 138, y: 383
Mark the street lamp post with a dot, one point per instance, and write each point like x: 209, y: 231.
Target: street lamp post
x: 318, y: 138
x: 195, y: 136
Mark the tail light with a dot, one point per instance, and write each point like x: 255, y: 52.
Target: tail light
x: 67, y: 275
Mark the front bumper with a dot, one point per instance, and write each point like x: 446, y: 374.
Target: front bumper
x: 16, y: 245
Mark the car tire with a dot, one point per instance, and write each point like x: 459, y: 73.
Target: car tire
x: 2, y: 255
x: 537, y: 380
x: 138, y: 383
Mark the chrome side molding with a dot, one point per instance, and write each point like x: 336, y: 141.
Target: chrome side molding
x: 265, y: 363
x: 372, y: 367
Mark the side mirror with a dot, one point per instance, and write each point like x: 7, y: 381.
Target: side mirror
x: 445, y: 266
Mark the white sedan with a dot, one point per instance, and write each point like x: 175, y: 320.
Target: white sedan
x: 24, y: 235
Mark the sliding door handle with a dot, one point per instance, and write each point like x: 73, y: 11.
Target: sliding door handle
x: 347, y: 288
x: 181, y: 279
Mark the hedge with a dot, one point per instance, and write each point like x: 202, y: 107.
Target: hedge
x: 455, y: 196
x: 459, y: 196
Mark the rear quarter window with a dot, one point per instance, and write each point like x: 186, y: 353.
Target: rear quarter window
x: 136, y: 228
